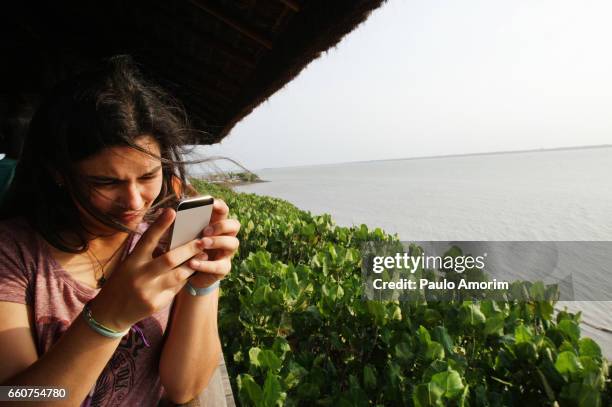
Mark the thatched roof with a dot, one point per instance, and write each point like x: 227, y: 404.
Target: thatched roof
x: 221, y: 58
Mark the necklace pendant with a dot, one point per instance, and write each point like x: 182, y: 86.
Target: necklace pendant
x: 101, y: 281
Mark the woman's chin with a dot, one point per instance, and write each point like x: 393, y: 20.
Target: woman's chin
x: 132, y: 223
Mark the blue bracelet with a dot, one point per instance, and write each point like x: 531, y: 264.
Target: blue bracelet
x: 98, y: 327
x: 201, y: 291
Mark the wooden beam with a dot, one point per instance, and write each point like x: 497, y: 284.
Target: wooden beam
x: 291, y: 4
x: 230, y: 22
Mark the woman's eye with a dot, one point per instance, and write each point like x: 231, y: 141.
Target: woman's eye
x: 104, y: 183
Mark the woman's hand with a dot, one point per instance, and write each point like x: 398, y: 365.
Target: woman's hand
x: 142, y: 284
x: 220, y: 244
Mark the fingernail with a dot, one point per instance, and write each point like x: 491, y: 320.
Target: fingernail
x: 195, y: 263
x: 209, y: 230
x: 207, y: 242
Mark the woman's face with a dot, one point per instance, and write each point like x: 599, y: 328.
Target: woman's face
x: 122, y: 182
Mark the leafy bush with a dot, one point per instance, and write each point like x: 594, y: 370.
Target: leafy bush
x: 296, y: 332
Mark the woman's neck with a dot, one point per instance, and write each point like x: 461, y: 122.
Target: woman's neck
x: 107, y: 244
x: 102, y: 244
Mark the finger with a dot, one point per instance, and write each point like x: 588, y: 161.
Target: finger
x: 217, y: 254
x: 177, y: 256
x: 176, y: 277
x: 228, y: 227
x: 149, y: 240
x: 158, y: 251
x: 200, y: 257
x: 220, y: 211
x: 220, y: 242
x: 219, y: 267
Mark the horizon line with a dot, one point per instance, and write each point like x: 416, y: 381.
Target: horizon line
x: 430, y: 157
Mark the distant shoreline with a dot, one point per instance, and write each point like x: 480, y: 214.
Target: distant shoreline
x: 537, y: 150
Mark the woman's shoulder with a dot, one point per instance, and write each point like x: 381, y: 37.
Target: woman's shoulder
x: 16, y: 229
x: 18, y: 239
x: 18, y: 248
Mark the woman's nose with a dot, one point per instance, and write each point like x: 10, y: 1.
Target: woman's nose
x: 132, y: 199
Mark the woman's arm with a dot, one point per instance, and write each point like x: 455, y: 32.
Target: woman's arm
x: 192, y: 350
x: 73, y: 363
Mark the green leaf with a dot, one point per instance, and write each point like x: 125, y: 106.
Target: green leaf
x: 536, y: 291
x: 566, y: 346
x: 308, y: 391
x: 571, y: 329
x: 339, y: 292
x: 431, y: 316
x: 544, y: 310
x: 434, y: 367
x: 396, y: 313
x: 268, y: 359
x: 567, y: 363
x: 434, y: 351
x: 403, y: 352
x: 296, y: 373
x: 463, y: 400
x: 440, y: 335
x: 522, y: 334
x: 495, y: 325
x: 272, y: 392
x: 281, y: 346
x: 254, y: 356
x: 248, y: 386
x: 581, y: 395
x: 423, y: 335
x: 547, y: 388
x: 589, y: 347
x: 526, y: 351
x: 450, y: 381
x: 471, y: 314
x: 369, y: 377
x: 261, y: 294
x: 332, y: 251
x: 238, y: 356
x: 378, y: 311
x: 489, y: 308
x: 249, y: 226
x: 428, y: 394
x: 394, y: 373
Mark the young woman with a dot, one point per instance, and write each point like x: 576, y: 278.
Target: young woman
x: 88, y: 302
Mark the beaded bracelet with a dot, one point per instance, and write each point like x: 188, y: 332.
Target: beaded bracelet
x: 98, y: 327
x: 201, y: 291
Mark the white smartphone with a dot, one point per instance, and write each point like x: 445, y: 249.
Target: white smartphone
x: 192, y: 216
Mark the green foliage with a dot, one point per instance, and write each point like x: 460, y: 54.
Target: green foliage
x: 296, y: 332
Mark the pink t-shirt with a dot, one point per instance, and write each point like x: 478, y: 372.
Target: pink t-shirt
x: 30, y: 275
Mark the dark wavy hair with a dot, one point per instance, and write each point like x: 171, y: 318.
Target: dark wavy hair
x: 111, y: 105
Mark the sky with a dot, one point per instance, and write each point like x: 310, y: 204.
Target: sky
x: 438, y: 77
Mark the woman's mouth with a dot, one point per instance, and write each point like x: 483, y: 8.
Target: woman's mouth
x: 127, y: 217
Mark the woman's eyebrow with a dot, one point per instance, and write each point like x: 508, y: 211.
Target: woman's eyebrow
x: 153, y: 171
x: 108, y: 178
